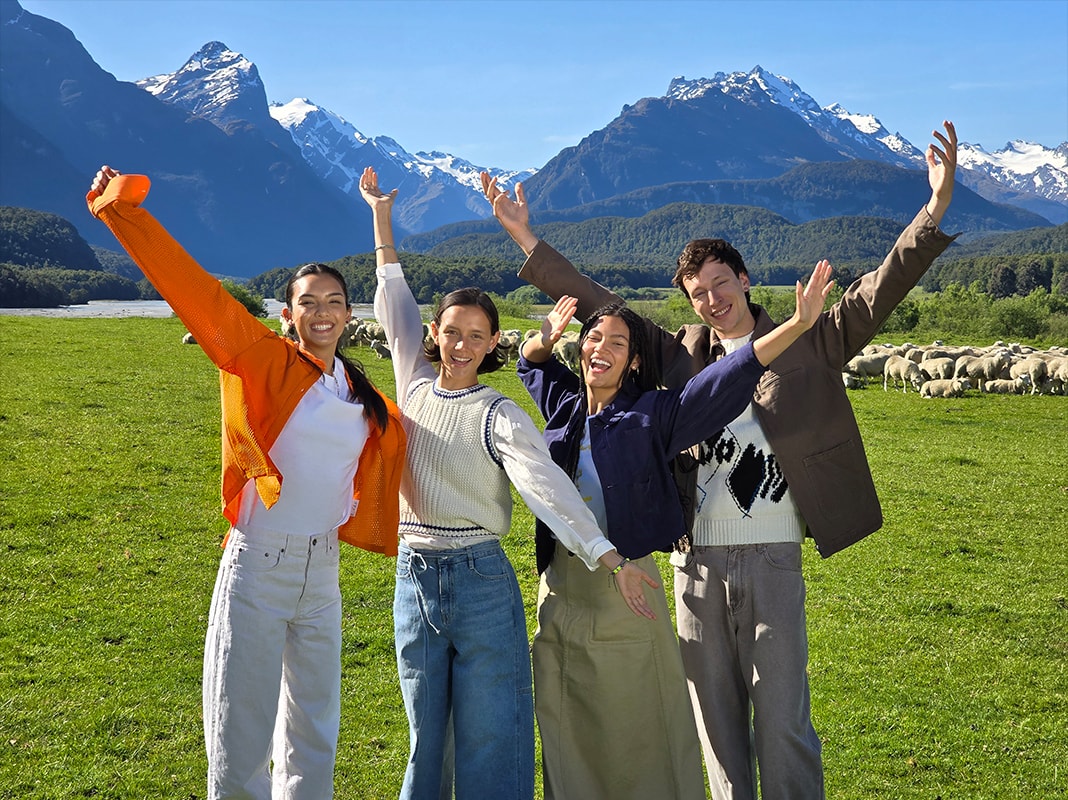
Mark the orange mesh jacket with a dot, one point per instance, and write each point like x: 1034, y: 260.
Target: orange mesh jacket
x: 262, y: 376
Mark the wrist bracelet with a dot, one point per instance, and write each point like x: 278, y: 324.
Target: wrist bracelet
x: 620, y: 566
x: 386, y: 247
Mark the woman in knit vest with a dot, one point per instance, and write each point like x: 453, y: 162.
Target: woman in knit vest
x: 461, y: 636
x: 612, y: 704
x: 312, y: 453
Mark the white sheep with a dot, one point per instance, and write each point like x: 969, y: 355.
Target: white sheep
x: 1035, y: 368
x: 852, y: 381
x: 1057, y: 379
x: 983, y: 368
x: 938, y: 368
x: 508, y: 344
x: 1007, y: 386
x: 869, y: 366
x: 569, y: 350
x: 899, y: 368
x: 945, y: 388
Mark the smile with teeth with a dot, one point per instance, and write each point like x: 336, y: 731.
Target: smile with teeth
x: 322, y: 327
x: 720, y: 312
x: 599, y: 364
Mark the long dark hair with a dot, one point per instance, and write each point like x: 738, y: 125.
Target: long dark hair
x: 646, y: 376
x: 471, y: 296
x: 362, y: 388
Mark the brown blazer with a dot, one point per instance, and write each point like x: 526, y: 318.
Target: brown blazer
x: 800, y: 402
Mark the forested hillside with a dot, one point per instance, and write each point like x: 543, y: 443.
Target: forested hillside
x: 48, y: 263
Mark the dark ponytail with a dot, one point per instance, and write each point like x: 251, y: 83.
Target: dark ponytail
x: 362, y: 388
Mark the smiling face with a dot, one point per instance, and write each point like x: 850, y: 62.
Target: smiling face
x: 464, y: 336
x: 718, y: 297
x: 318, y: 309
x: 606, y: 359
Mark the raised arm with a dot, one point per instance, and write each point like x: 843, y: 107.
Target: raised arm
x: 512, y: 214
x: 395, y: 306
x: 115, y: 199
x: 544, y: 268
x: 810, y: 301
x: 852, y: 322
x: 540, y: 348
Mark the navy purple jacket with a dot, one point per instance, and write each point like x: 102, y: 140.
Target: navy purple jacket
x: 634, y: 439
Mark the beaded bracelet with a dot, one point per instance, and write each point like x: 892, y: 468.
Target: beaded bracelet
x: 386, y: 247
x: 622, y: 564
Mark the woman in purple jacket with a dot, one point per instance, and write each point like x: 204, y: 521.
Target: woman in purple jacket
x: 610, y: 692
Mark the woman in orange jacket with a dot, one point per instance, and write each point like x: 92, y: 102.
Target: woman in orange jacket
x: 312, y: 454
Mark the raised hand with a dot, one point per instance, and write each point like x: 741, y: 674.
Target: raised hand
x: 375, y: 197
x: 811, y: 298
x: 102, y: 179
x: 514, y: 215
x: 557, y: 320
x: 941, y: 170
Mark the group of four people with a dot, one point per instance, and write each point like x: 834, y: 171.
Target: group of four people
x: 684, y: 442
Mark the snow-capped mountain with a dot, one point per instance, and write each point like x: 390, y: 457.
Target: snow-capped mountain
x: 854, y: 135
x: 215, y: 80
x: 337, y: 151
x: 1021, y: 167
x: 220, y: 85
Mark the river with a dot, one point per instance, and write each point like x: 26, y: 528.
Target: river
x: 144, y: 308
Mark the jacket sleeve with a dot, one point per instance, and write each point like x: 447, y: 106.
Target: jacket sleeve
x: 852, y: 322
x: 681, y: 354
x: 550, y: 384
x: 222, y: 326
x: 710, y: 400
x: 556, y: 276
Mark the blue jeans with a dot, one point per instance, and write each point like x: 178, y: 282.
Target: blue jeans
x: 462, y: 649
x: 740, y: 611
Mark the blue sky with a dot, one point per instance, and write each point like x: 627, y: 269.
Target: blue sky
x: 510, y: 83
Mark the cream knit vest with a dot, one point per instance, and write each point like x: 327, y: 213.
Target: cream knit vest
x: 455, y: 490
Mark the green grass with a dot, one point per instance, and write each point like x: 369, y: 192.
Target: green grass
x: 939, y: 646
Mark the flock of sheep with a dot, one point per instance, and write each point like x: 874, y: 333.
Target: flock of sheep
x: 368, y: 333
x: 937, y: 370
x: 934, y: 370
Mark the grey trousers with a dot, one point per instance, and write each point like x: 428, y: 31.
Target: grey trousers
x: 740, y: 611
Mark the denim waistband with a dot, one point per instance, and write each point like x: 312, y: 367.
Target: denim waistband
x: 428, y: 554
x: 284, y: 541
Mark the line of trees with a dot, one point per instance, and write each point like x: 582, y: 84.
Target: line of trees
x: 995, y: 291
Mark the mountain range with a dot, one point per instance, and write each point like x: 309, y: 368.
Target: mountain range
x: 247, y: 185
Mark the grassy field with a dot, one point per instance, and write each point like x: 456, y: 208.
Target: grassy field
x: 939, y: 646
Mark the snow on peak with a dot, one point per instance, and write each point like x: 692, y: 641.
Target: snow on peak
x: 865, y: 123
x: 213, y: 77
x: 1023, y: 165
x: 304, y: 119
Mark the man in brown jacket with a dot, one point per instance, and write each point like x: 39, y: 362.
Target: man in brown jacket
x: 792, y: 464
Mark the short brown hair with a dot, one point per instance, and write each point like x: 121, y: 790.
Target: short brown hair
x: 697, y: 252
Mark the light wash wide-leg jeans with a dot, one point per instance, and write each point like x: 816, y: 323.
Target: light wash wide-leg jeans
x: 272, y: 668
